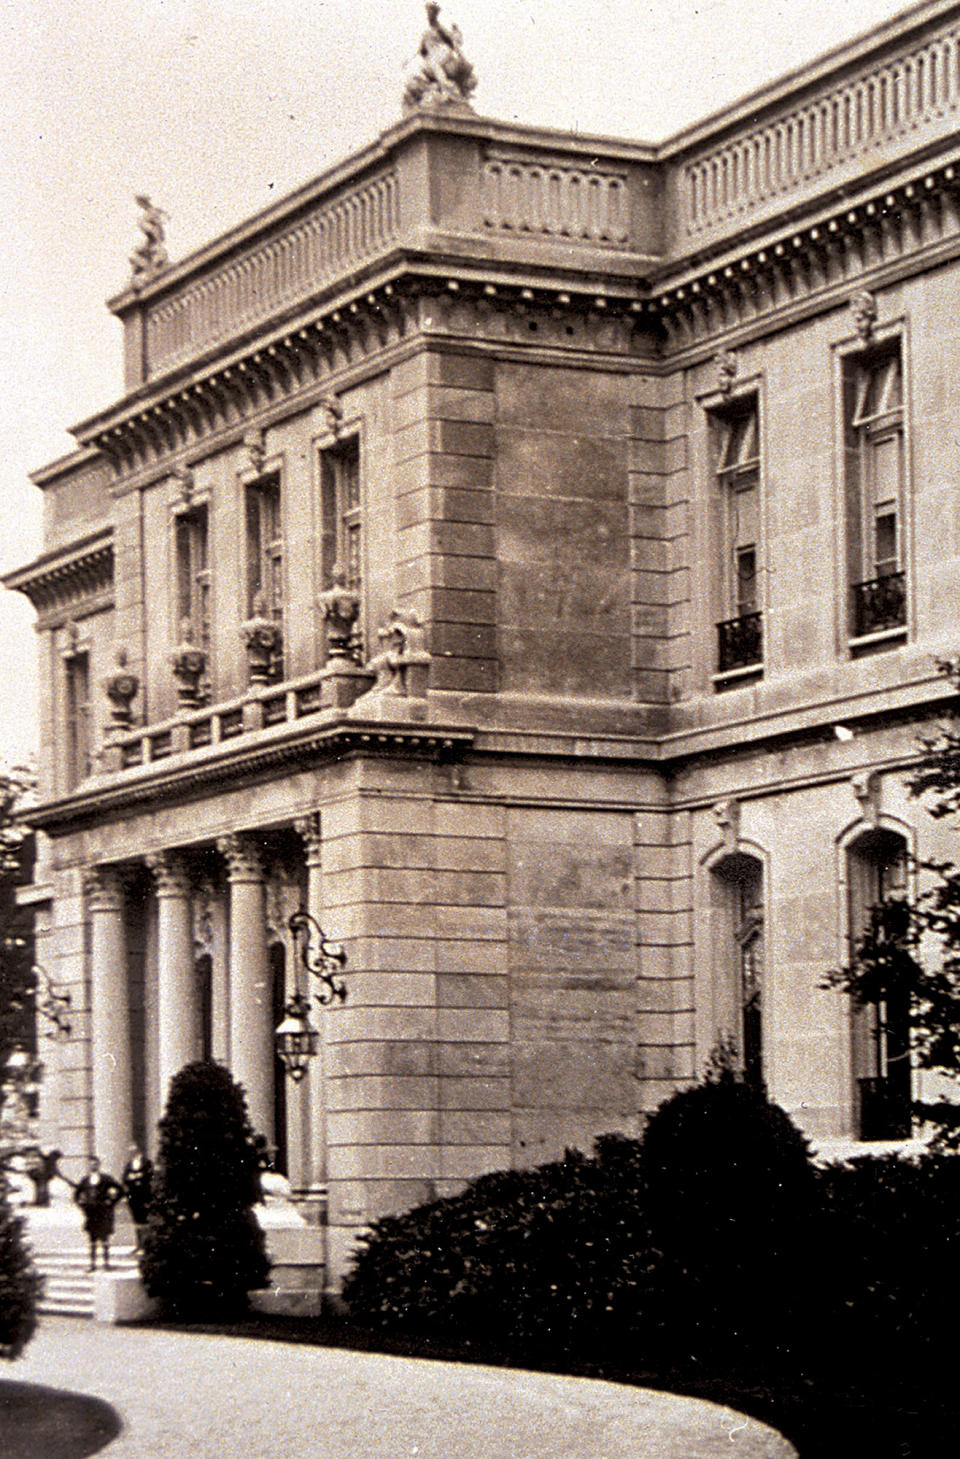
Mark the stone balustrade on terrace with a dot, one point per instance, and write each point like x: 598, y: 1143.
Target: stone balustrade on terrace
x: 786, y: 151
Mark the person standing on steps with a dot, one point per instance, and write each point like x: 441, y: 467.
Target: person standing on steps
x: 137, y: 1182
x: 97, y: 1195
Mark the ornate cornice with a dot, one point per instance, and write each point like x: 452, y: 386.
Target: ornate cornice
x: 204, y: 772
x: 68, y: 575
x: 843, y: 251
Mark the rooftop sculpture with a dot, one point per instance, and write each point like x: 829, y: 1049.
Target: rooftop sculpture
x: 150, y: 255
x: 441, y: 75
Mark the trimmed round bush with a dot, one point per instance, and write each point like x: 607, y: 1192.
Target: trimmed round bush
x: 537, y: 1263
x: 730, y: 1196
x: 19, y: 1282
x: 203, y: 1249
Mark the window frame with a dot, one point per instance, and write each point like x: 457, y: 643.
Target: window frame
x: 867, y: 582
x: 731, y: 470
x: 77, y: 714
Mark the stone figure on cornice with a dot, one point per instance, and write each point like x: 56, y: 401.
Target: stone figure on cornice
x: 403, y: 664
x: 150, y: 255
x: 863, y: 308
x: 441, y: 73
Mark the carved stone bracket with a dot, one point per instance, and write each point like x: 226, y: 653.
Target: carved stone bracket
x: 726, y: 813
x: 866, y: 788
x: 726, y: 365
x: 863, y: 309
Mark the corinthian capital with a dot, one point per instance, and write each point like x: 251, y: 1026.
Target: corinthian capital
x: 243, y: 857
x: 170, y: 874
x: 104, y: 887
x: 308, y: 829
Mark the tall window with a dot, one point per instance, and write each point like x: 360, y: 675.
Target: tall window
x: 193, y: 579
x: 265, y: 555
x: 341, y: 543
x: 738, y: 936
x: 873, y: 413
x: 737, y: 470
x: 877, y: 872
x: 77, y: 716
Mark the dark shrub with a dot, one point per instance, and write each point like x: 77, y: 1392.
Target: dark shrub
x: 19, y: 1282
x: 730, y: 1198
x: 203, y: 1249
x: 537, y: 1264
x: 893, y: 1229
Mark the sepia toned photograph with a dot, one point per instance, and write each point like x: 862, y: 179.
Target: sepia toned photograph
x: 480, y: 729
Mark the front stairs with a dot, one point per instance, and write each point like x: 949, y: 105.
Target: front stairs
x: 62, y: 1257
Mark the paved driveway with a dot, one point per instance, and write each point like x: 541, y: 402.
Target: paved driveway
x: 193, y: 1396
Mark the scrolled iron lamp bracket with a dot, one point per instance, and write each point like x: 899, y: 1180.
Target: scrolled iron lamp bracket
x: 297, y: 1040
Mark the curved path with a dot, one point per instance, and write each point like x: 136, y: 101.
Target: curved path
x: 193, y: 1396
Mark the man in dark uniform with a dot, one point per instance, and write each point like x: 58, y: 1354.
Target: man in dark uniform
x: 97, y: 1195
x: 137, y: 1182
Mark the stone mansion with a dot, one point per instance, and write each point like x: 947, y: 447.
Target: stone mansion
x: 528, y: 554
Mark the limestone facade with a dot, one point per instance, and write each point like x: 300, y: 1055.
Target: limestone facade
x: 654, y: 452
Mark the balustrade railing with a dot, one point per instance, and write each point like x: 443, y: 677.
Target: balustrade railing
x: 581, y: 204
x: 903, y: 96
x: 196, y: 729
x: 275, y: 273
x: 740, y: 643
x: 879, y: 604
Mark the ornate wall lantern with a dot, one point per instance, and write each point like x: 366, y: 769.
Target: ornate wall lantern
x: 296, y: 1039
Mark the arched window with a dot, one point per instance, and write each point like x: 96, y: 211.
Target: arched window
x: 876, y: 873
x: 739, y: 950
x: 203, y: 969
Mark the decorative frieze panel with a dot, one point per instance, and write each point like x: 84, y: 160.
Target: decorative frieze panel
x: 576, y: 203
x: 883, y: 110
x: 273, y: 275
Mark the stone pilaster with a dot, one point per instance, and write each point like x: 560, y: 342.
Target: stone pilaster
x: 110, y: 1007
x: 308, y: 1142
x: 178, y: 1016
x: 251, y: 1010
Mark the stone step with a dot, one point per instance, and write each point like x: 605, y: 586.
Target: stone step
x: 68, y: 1282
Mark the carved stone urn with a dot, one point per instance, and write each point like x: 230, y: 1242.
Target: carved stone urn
x: 263, y: 640
x: 121, y: 689
x: 343, y: 680
x: 189, y: 664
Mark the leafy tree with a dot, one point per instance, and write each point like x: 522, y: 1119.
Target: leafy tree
x: 16, y: 926
x: 203, y: 1249
x: 19, y: 1282
x: 908, y: 957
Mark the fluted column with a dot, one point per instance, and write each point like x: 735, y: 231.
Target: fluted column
x: 251, y: 1001
x: 308, y: 1115
x: 110, y: 1009
x: 178, y: 1017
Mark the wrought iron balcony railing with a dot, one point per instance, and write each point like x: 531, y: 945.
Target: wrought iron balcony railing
x: 879, y: 604
x: 740, y: 643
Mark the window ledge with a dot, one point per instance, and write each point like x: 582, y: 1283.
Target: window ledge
x: 880, y: 639
x: 733, y: 678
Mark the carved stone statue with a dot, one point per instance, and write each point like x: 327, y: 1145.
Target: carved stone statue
x: 441, y: 74
x: 403, y: 665
x: 150, y: 255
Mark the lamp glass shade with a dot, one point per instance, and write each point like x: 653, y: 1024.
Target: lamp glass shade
x: 296, y: 1039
